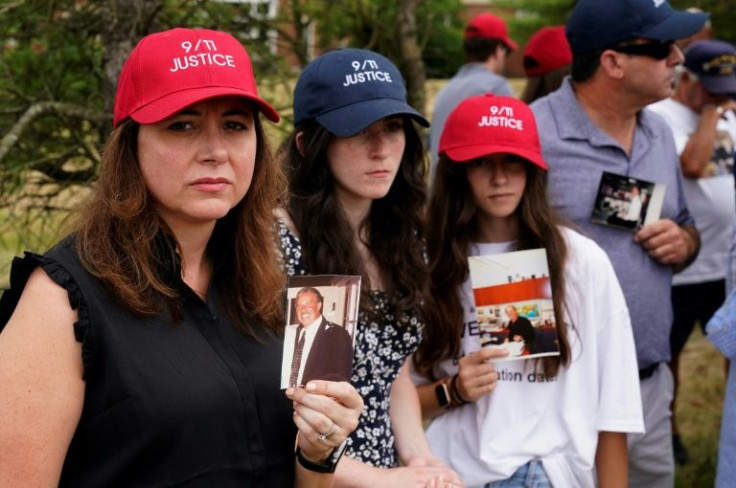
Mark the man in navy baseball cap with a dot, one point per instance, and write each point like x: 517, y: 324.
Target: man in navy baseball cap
x: 598, y: 24
x: 347, y: 90
x: 625, y: 58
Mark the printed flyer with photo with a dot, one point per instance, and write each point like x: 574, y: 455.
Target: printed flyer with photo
x: 513, y: 302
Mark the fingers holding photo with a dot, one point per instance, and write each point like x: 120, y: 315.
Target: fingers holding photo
x: 325, y: 412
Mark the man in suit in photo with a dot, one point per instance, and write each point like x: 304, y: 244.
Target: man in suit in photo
x: 322, y: 350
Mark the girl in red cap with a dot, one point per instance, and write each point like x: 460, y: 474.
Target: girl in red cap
x: 553, y: 420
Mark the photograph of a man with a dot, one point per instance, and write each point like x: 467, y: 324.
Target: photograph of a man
x: 321, y: 350
x: 520, y: 329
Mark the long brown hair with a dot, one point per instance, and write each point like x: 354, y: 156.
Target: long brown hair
x: 395, y: 223
x: 123, y: 241
x: 454, y: 226
x: 542, y: 85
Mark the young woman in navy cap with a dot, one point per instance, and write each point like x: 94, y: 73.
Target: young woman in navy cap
x: 144, y: 349
x: 356, y: 171
x: 552, y: 420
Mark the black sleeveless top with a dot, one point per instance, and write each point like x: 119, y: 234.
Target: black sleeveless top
x: 187, y: 404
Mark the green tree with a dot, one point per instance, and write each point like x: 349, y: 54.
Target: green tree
x: 527, y: 16
x: 722, y: 16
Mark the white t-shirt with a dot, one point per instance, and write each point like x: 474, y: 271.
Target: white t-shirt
x: 711, y: 198
x: 558, y: 421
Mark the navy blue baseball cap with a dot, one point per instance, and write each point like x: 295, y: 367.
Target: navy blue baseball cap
x: 347, y: 90
x: 714, y: 62
x: 595, y: 25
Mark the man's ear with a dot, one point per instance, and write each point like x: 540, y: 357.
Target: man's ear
x: 299, y: 141
x: 611, y: 64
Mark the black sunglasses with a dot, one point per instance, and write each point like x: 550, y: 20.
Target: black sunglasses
x: 655, y: 49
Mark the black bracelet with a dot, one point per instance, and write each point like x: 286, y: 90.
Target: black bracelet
x: 456, y: 393
x: 327, y: 466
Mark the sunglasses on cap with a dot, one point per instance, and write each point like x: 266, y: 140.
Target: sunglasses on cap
x: 654, y: 49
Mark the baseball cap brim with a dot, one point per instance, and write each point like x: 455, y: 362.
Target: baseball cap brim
x: 677, y: 25
x: 349, y: 120
x: 719, y: 85
x: 168, y: 105
x: 470, y: 152
x: 510, y: 43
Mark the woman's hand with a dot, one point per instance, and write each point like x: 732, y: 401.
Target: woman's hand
x: 325, y: 412
x: 476, y: 375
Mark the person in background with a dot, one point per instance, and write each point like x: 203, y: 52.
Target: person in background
x: 356, y: 170
x: 624, y: 59
x: 556, y: 421
x: 144, y: 349
x: 547, y: 60
x: 486, y: 45
x: 721, y: 332
x: 705, y: 33
x: 701, y: 116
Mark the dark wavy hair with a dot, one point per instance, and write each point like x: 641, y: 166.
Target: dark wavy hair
x: 122, y: 240
x: 454, y: 226
x: 395, y: 223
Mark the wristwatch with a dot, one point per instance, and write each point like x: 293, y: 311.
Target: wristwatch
x: 326, y: 466
x: 443, y: 394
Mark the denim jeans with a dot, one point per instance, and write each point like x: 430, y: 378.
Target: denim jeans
x: 531, y: 475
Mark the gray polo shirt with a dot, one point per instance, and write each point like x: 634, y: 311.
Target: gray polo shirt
x: 577, y: 152
x: 471, y: 79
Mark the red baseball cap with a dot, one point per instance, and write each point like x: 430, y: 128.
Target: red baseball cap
x: 168, y: 71
x: 489, y: 124
x: 489, y: 26
x: 546, y: 50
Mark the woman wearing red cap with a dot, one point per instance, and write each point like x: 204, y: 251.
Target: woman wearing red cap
x: 144, y: 349
x: 512, y: 423
x: 547, y: 60
x: 356, y: 172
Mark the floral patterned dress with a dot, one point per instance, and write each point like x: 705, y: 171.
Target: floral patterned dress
x: 382, y: 344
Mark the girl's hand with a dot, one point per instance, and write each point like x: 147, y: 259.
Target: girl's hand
x: 325, y: 412
x: 476, y: 375
x: 420, y: 477
x: 446, y: 477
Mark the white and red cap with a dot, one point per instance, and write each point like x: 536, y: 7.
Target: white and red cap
x: 170, y: 70
x: 489, y: 124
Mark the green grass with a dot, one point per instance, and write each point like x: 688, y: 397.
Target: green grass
x: 699, y: 407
